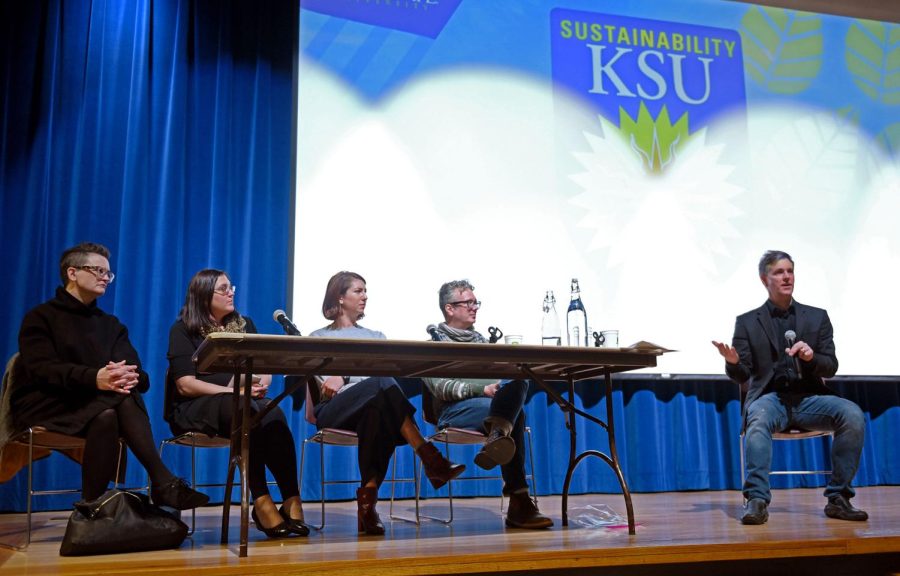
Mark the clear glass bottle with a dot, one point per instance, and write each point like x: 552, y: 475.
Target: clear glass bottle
x: 551, y: 335
x: 576, y: 318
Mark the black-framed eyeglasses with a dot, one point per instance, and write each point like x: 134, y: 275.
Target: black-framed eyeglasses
x: 470, y: 304
x: 99, y: 272
x: 225, y: 290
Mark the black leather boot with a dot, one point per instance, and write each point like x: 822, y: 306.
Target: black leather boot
x: 755, y: 512
x: 840, y: 507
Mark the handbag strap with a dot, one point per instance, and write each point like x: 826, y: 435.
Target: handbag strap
x: 92, y: 508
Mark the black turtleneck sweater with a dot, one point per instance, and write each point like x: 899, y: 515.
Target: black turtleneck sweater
x: 63, y: 343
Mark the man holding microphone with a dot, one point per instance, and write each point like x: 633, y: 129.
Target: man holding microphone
x: 782, y: 351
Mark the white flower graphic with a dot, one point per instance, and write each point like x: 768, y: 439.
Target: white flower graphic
x: 686, y: 210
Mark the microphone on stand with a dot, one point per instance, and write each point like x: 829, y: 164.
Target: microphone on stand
x: 289, y: 328
x: 791, y: 338
x: 433, y: 330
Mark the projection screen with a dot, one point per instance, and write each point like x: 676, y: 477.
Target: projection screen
x: 652, y: 150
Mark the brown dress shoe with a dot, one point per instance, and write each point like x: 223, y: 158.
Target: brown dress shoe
x: 499, y: 448
x: 524, y: 513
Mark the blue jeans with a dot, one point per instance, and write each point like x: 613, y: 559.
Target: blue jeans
x: 773, y: 412
x: 507, y: 404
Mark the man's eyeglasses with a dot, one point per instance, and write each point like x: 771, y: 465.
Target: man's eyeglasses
x: 470, y: 304
x: 225, y: 290
x: 99, y: 272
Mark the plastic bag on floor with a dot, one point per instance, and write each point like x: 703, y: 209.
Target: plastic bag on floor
x: 597, y: 516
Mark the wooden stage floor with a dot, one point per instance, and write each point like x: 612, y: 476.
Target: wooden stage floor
x: 678, y: 533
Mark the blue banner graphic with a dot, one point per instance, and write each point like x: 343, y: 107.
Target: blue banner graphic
x: 619, y: 63
x: 422, y: 17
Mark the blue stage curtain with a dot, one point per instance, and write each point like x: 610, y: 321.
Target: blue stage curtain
x: 673, y: 433
x: 163, y: 130
x: 683, y: 433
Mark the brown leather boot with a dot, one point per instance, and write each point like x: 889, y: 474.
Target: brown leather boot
x: 367, y: 519
x: 524, y: 513
x: 438, y: 469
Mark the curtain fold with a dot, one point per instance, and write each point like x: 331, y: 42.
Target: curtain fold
x: 164, y: 131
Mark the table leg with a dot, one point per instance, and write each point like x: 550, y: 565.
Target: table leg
x: 570, y: 410
x: 573, y: 459
x: 614, y: 454
x: 246, y: 417
x: 233, y: 453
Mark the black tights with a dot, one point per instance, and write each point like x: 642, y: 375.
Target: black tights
x: 271, y: 446
x: 101, y: 451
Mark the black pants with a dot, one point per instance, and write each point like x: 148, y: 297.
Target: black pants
x: 271, y: 440
x: 271, y: 446
x: 375, y: 409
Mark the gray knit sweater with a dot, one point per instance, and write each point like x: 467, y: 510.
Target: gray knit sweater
x: 446, y: 391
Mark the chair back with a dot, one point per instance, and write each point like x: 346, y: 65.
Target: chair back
x: 333, y: 436
x: 428, y: 412
x: 312, y: 398
x: 15, y: 445
x: 6, y: 424
x: 169, y: 394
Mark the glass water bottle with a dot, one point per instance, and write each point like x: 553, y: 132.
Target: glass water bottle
x: 550, y: 332
x: 576, y: 318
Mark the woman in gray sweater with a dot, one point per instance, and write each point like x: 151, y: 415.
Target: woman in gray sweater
x: 375, y: 408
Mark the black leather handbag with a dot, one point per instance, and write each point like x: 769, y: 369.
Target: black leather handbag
x: 120, y: 521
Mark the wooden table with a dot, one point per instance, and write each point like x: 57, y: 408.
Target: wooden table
x: 246, y: 354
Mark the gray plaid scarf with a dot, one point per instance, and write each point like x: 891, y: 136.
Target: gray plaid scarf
x: 456, y: 335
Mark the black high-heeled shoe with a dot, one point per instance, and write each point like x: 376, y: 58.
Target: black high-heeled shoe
x: 279, y: 531
x: 298, y: 527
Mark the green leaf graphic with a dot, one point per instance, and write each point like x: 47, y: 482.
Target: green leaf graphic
x: 889, y: 140
x: 872, y: 54
x: 655, y: 140
x: 849, y: 114
x: 782, y: 48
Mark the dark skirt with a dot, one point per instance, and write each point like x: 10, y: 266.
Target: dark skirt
x: 66, y: 414
x: 201, y: 414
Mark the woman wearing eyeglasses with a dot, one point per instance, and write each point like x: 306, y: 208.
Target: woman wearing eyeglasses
x: 375, y: 408
x: 203, y: 402
x: 78, y: 374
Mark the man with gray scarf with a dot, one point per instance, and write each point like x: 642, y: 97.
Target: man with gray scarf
x: 493, y: 407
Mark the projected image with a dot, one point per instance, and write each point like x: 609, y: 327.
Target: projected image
x: 651, y: 152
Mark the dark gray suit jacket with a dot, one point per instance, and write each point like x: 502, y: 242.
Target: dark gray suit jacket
x: 757, y: 345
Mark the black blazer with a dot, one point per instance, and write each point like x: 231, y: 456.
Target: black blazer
x: 757, y: 345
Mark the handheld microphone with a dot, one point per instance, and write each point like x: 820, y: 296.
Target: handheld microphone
x: 433, y: 330
x: 286, y: 324
x: 791, y: 338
